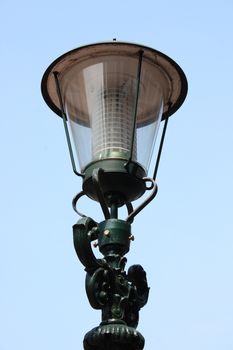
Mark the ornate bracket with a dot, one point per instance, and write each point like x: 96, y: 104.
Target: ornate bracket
x: 118, y: 294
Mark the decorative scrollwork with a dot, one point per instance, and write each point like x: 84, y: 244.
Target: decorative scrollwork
x: 118, y: 294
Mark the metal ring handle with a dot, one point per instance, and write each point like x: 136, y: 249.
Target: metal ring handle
x: 148, y: 179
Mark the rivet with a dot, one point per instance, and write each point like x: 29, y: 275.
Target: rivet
x: 131, y: 237
x: 106, y: 232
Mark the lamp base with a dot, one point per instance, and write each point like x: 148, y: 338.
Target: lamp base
x: 114, y: 337
x: 119, y: 179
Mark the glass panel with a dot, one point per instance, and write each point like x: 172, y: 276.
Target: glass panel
x: 99, y: 96
x: 149, y: 114
x: 146, y: 137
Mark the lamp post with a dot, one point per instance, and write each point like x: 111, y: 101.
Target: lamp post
x: 112, y: 97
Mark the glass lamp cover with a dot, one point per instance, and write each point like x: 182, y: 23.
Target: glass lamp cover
x: 99, y: 87
x: 99, y: 98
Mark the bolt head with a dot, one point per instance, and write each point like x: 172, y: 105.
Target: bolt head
x: 107, y: 233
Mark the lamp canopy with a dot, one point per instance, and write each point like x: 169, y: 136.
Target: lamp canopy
x: 174, y: 80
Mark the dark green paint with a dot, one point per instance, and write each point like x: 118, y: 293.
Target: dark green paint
x: 120, y: 181
x: 119, y: 294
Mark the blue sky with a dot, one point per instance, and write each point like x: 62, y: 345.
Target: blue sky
x: 183, y: 239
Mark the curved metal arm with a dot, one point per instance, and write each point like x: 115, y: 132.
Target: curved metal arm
x: 137, y: 210
x: 99, y: 193
x: 129, y: 207
x: 75, y: 201
x: 96, y: 182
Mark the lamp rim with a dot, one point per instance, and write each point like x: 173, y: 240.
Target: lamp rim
x: 172, y: 107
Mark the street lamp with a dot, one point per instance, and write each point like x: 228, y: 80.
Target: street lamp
x: 113, y: 96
